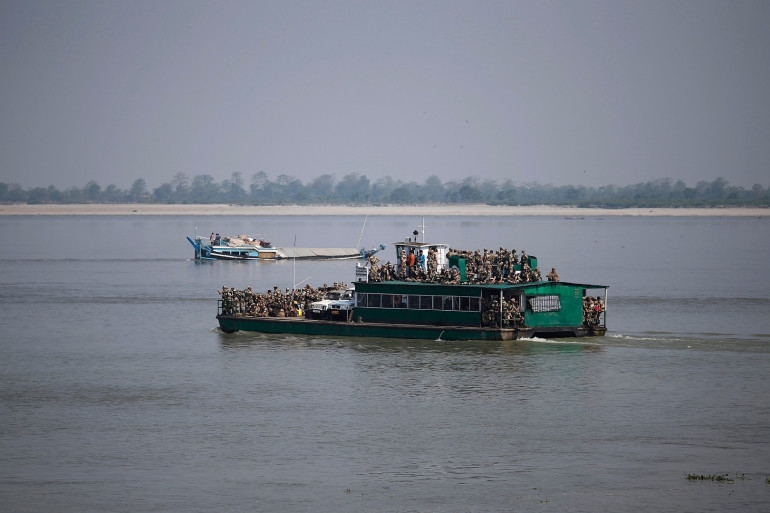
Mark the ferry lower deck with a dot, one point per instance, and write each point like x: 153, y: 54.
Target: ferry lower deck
x: 305, y: 326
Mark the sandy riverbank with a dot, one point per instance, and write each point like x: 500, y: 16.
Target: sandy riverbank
x: 326, y: 210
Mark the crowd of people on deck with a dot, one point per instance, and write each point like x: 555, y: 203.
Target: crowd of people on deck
x: 492, y: 316
x: 404, y: 272
x: 592, y: 310
x: 276, y: 303
x: 273, y: 303
x: 481, y: 267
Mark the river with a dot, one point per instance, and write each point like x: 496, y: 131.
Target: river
x: 118, y: 392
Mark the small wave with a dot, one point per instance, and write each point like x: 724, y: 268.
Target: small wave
x: 555, y: 341
x: 712, y: 342
x: 654, y: 336
x: 564, y: 342
x: 689, y: 300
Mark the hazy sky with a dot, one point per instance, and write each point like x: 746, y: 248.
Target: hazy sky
x: 560, y: 92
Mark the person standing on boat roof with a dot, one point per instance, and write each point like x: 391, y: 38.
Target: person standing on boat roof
x: 410, y: 261
x: 421, y: 261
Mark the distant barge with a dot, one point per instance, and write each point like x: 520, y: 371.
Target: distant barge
x: 434, y: 310
x: 244, y: 248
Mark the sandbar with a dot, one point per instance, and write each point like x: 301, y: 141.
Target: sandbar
x: 145, y: 209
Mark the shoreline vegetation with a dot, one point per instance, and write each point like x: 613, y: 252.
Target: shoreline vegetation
x: 438, y: 210
x: 358, y: 190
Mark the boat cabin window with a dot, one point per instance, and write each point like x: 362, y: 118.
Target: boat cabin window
x: 419, y: 302
x: 544, y: 303
x: 469, y: 304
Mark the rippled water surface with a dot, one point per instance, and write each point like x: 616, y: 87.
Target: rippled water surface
x: 118, y: 393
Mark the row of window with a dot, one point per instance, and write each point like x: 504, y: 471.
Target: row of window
x: 416, y: 302
x: 460, y: 303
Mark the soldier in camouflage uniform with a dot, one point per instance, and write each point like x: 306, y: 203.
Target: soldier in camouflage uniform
x: 403, y: 266
x: 588, y: 307
x: 432, y: 263
x: 553, y: 276
x: 374, y: 269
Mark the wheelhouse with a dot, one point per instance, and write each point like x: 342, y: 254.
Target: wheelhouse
x: 412, y: 246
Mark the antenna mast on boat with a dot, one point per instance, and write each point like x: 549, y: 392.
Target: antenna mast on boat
x: 422, y: 231
x: 294, y: 279
x: 358, y: 246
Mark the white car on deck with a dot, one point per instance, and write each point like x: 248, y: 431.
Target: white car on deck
x: 340, y: 309
x: 321, y: 309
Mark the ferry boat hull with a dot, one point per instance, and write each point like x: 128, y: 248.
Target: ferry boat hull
x: 318, y: 327
x: 206, y: 251
x: 304, y: 326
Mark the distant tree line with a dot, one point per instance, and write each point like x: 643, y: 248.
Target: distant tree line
x: 356, y: 189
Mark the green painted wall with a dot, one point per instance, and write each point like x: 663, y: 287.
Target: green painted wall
x: 570, y: 297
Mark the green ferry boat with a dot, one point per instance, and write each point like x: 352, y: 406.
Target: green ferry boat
x: 452, y: 295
